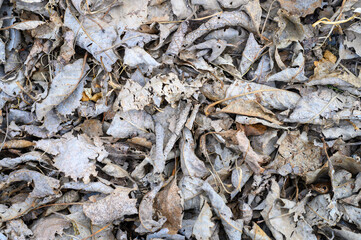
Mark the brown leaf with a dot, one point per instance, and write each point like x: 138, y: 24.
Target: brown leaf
x: 255, y: 129
x: 252, y: 158
x: 300, y: 7
x: 170, y: 203
x: 250, y: 108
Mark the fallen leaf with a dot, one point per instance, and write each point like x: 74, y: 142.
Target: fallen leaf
x: 50, y: 227
x: 169, y: 203
x: 114, y: 206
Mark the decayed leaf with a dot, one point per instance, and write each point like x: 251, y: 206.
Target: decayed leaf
x: 89, y: 187
x: 131, y: 123
x: 169, y: 203
x: 190, y: 163
x: 254, y: 11
x: 63, y: 85
x: 27, y: 25
x: 115, y: 206
x: 345, y: 130
x: 272, y: 98
x: 290, y: 30
x: 314, y: 106
x: 296, y: 155
x: 235, y: 18
x: 250, y: 54
x: 68, y: 197
x: 17, y: 229
x: 43, y: 186
x: 353, y: 34
x: 74, y: 155
x: 137, y: 57
x: 180, y: 9
x: 134, y: 96
x: 148, y: 222
x: 50, y: 227
x: 301, y: 7
x: 322, y: 210
x: 232, y: 227
x: 251, y: 157
x: 96, y: 37
x: 250, y: 108
x: 203, y: 226
x: 30, y: 156
x: 131, y: 13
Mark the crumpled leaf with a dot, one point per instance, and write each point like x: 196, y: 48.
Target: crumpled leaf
x: 191, y: 165
x: 114, y: 206
x: 301, y: 7
x: 63, y: 85
x: 235, y: 18
x: 217, y: 47
x: 203, y: 226
x: 18, y: 230
x: 294, y: 74
x: 290, y: 30
x: 49, y: 227
x: 43, y: 186
x: 180, y: 9
x: 232, y: 227
x: 251, y: 157
x: 250, y: 54
x: 68, y: 197
x: 27, y: 25
x: 351, y: 214
x: 137, y: 57
x: 322, y: 210
x: 296, y: 155
x: 30, y: 156
x: 148, y: 221
x: 131, y: 123
x: 74, y: 155
x: 268, y: 97
x: 353, y: 34
x: 250, y: 108
x: 278, y: 216
x: 89, y: 187
x: 96, y: 38
x: 169, y: 203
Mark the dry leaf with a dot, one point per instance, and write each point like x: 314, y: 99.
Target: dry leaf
x: 204, y: 225
x: 296, y: 155
x: 63, y: 85
x: 114, y: 206
x: 75, y: 156
x: 190, y: 163
x: 301, y: 7
x: 50, y: 227
x: 169, y: 203
x: 250, y: 108
x: 251, y: 157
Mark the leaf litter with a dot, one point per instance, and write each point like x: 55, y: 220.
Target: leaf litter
x: 182, y: 119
